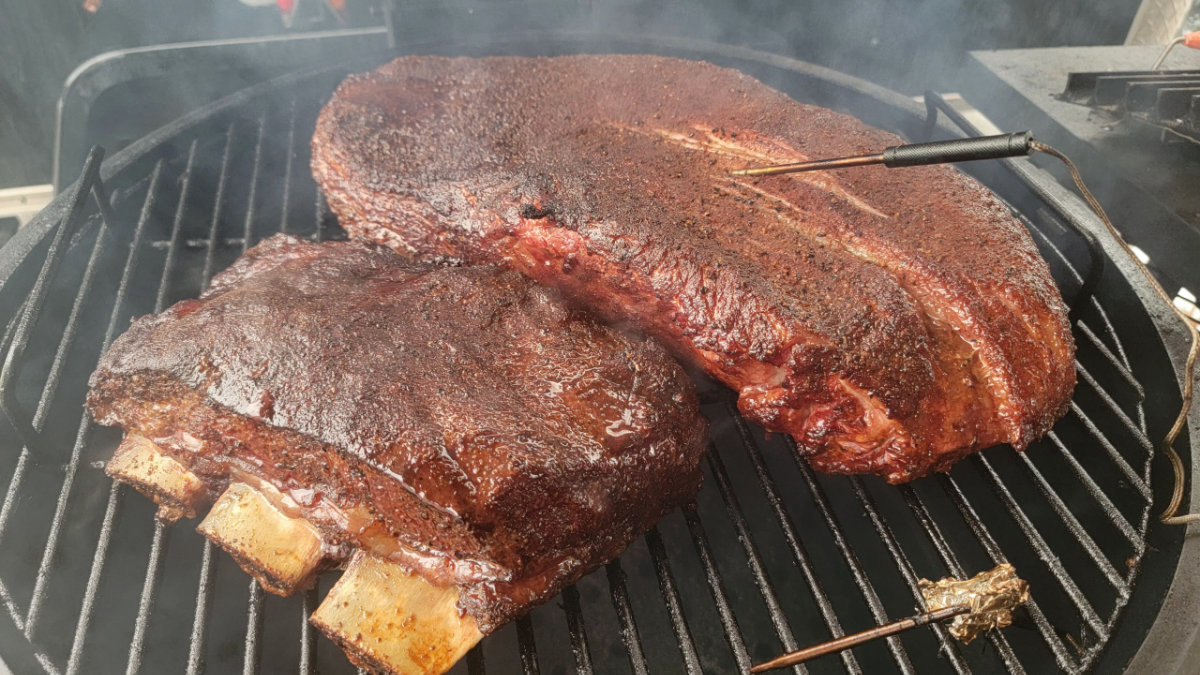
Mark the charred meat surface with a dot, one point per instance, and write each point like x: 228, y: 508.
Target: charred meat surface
x: 891, y: 321
x: 463, y: 423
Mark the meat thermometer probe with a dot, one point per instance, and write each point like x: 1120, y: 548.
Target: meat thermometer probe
x: 1019, y: 144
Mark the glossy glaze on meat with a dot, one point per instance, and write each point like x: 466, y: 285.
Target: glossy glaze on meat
x: 462, y: 422
x: 891, y: 321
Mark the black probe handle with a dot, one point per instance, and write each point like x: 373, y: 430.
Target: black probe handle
x: 1017, y: 144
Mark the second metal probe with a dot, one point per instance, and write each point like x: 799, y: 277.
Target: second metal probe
x: 834, y: 646
x: 1017, y: 144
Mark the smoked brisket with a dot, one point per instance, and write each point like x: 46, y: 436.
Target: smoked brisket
x: 891, y: 321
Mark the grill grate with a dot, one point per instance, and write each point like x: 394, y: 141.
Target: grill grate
x: 771, y: 557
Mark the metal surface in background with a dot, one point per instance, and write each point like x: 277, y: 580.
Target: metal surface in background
x: 771, y: 556
x: 1148, y: 187
x: 1165, y: 100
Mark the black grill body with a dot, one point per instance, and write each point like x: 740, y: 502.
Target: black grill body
x: 771, y: 557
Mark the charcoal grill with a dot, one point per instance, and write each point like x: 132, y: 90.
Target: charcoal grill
x: 771, y: 556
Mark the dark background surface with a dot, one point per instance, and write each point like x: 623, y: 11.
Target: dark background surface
x: 903, y: 44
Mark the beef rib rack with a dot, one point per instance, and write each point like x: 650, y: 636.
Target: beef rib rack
x: 459, y: 438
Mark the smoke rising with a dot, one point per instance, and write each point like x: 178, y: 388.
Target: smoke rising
x: 905, y: 45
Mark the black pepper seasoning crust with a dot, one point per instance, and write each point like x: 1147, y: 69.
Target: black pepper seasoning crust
x: 891, y: 321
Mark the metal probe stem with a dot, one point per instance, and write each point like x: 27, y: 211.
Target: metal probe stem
x: 1191, y: 40
x: 1166, y: 50
x: 842, y: 643
x: 1017, y: 144
x: 817, y: 165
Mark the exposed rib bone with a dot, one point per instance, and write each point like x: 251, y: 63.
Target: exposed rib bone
x: 140, y: 463
x: 281, y: 552
x: 394, y: 622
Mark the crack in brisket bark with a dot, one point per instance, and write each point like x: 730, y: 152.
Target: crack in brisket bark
x: 719, y: 146
x: 994, y: 374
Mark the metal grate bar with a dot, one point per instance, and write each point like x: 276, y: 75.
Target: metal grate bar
x: 946, y: 552
x: 308, y: 634
x: 204, y: 591
x: 218, y: 204
x: 734, y: 509
x: 287, y: 167
x: 54, y: 376
x: 254, y: 624
x: 1065, y: 661
x: 25, y: 427
x: 1110, y: 329
x: 11, y: 605
x: 579, y: 643
x: 208, y: 565
x: 948, y: 646
x: 620, y: 600
x: 55, y: 533
x: 84, y: 428
x: 799, y: 554
x: 137, y: 645
x: 154, y: 571
x: 1087, y: 287
x: 100, y: 198
x: 29, y: 430
x: 68, y: 338
x: 856, y: 570
x: 10, y: 495
x: 1112, y: 405
x: 1119, y: 361
x: 1060, y: 507
x: 1114, y: 454
x: 1040, y: 543
x: 1119, y: 367
x: 1044, y: 551
x: 87, y: 607
x: 200, y: 242
x: 528, y: 646
x: 168, y: 272
x: 114, y: 495
x: 666, y: 582
x: 322, y: 211
x: 728, y: 622
x: 10, y: 327
x: 1041, y: 236
x: 1110, y: 510
x: 1037, y: 233
x: 46, y: 664
x: 252, y: 198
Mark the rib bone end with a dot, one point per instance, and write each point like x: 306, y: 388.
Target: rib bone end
x: 140, y: 463
x: 390, y: 621
x: 283, y: 553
